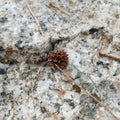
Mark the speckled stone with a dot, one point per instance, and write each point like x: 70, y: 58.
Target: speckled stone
x: 30, y: 91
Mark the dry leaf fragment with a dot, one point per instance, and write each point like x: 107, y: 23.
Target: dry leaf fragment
x: 61, y: 91
x: 76, y: 88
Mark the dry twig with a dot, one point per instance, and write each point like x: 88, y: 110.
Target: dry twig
x: 109, y: 56
x: 88, y: 93
x: 93, y: 82
x: 104, y: 54
x: 36, y: 20
x: 53, y: 5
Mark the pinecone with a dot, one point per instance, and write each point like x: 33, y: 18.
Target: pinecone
x: 59, y: 58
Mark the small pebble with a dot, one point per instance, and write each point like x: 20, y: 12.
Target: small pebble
x: 18, y: 44
x: 1, y: 48
x: 99, y: 63
x: 119, y: 102
x: 43, y: 109
x: 2, y: 71
x: 3, y: 19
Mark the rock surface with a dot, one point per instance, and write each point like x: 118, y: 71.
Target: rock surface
x: 30, y: 91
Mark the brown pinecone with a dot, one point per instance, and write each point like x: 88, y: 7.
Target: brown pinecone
x: 59, y: 58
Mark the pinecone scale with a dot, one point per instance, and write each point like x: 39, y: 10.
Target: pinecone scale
x: 59, y: 58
